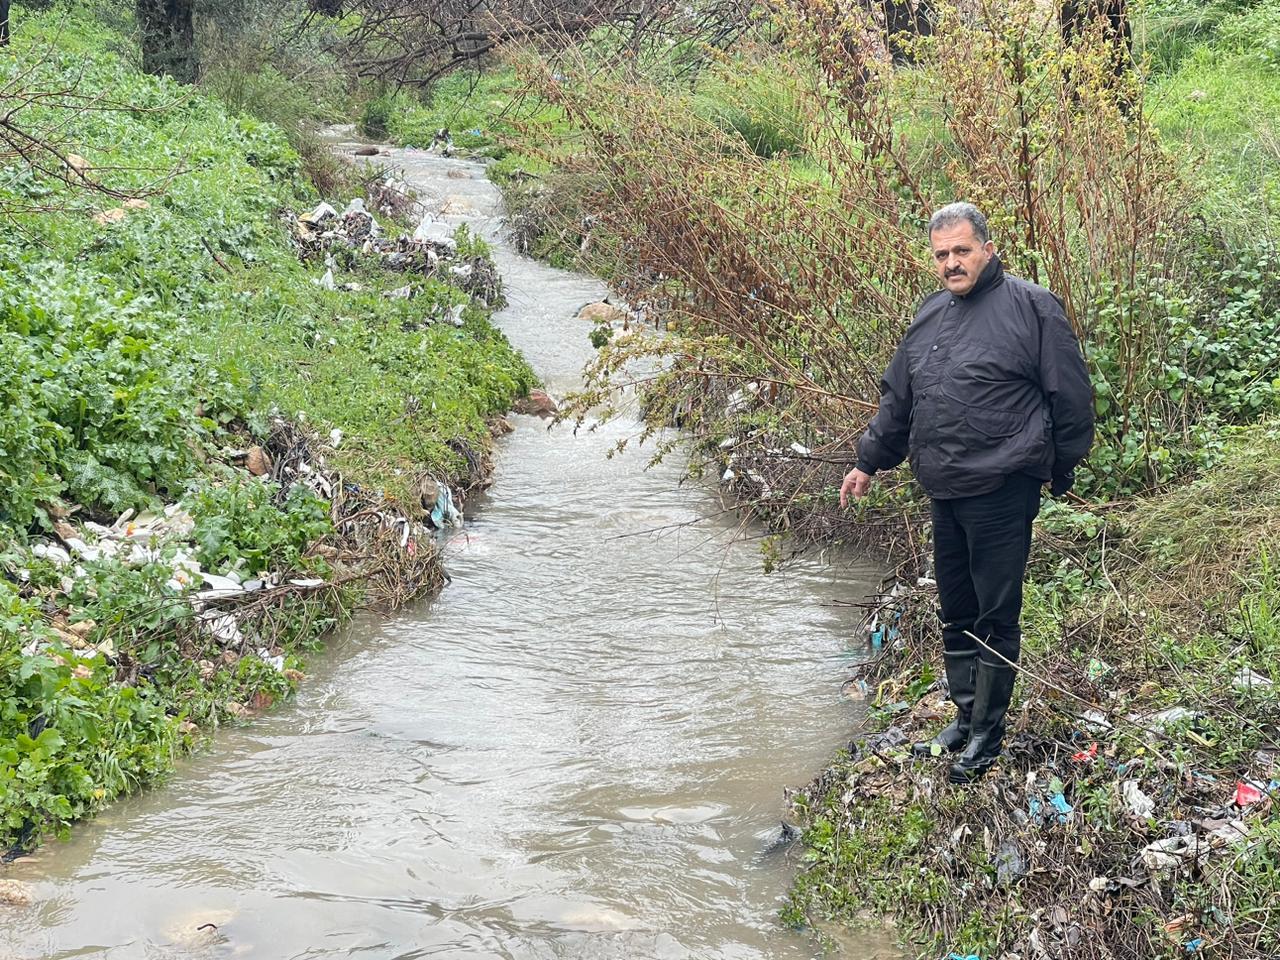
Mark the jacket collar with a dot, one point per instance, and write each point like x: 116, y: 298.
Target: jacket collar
x: 992, y: 275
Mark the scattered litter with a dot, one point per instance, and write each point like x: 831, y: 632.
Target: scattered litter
x: 800, y: 449
x: 108, y: 217
x: 1172, y: 852
x: 327, y: 282
x: 1086, y: 756
x: 1098, y: 669
x: 856, y: 689
x: 1168, y: 718
x: 223, y: 627
x: 317, y: 217
x: 444, y: 513
x: 1139, y: 804
x: 1095, y: 721
x: 1247, y: 679
x: 1249, y: 793
x: 1010, y: 863
x: 433, y: 231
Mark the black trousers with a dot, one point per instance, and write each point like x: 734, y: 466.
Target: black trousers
x: 980, y: 547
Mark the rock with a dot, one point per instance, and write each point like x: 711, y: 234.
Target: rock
x: 77, y: 163
x: 108, y: 217
x: 14, y: 893
x: 235, y: 709
x: 602, y: 312
x: 136, y: 203
x: 537, y: 404
x: 366, y: 151
x: 261, y: 700
x: 458, y: 175
x: 257, y: 462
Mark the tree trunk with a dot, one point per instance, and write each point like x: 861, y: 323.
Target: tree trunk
x: 4, y: 23
x: 168, y: 38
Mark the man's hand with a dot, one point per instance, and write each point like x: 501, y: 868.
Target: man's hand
x: 856, y: 483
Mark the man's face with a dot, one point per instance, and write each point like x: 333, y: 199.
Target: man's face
x: 959, y: 256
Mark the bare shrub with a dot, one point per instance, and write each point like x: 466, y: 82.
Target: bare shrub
x: 786, y: 285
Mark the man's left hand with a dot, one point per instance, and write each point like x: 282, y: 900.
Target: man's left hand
x: 856, y: 483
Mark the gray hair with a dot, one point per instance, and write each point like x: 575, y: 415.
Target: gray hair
x: 956, y: 213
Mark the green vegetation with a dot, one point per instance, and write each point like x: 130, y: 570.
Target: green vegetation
x: 1216, y: 100
x: 159, y: 321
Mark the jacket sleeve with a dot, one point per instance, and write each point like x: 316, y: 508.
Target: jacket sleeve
x: 884, y: 445
x: 1064, y: 378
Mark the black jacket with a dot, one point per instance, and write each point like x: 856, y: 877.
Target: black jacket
x: 981, y: 387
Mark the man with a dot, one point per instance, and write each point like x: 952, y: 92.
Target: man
x: 990, y: 397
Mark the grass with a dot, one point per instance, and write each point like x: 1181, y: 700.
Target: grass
x: 1217, y: 102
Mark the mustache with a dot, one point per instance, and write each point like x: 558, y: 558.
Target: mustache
x: 956, y: 272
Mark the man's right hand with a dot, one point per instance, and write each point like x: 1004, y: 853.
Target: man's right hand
x: 857, y: 483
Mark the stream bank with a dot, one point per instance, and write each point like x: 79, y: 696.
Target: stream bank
x: 215, y: 449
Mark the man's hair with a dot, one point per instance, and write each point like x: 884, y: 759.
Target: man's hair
x: 954, y: 213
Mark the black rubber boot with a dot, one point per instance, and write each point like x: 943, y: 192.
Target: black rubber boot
x: 992, y: 694
x: 961, y: 667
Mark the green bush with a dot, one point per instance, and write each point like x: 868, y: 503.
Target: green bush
x: 245, y: 524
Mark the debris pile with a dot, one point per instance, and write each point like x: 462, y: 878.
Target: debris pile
x: 431, y: 251
x: 235, y: 612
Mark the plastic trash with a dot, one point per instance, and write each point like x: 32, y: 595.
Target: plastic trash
x: 1247, y: 679
x: 1095, y: 721
x: 327, y: 282
x: 317, y: 216
x: 1248, y: 793
x: 431, y: 231
x: 444, y: 513
x: 1171, y: 716
x: 1139, y: 804
x: 1010, y: 863
x: 1172, y: 852
x: 1086, y: 756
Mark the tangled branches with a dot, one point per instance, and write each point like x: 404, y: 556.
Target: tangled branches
x: 793, y: 274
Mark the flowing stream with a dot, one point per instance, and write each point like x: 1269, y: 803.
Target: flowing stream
x: 578, y: 750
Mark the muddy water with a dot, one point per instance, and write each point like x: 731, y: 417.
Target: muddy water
x: 577, y: 751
